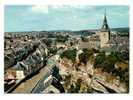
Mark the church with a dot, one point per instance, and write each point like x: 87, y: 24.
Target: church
x: 104, y: 33
x: 103, y: 39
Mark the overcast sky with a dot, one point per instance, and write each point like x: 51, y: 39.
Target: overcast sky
x: 63, y: 17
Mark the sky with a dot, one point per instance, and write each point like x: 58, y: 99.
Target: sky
x: 62, y: 17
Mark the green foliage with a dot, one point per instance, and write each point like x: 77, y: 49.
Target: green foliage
x: 84, y: 39
x: 47, y: 42
x: 52, y: 50
x: 61, y: 38
x: 71, y: 43
x: 100, y: 59
x: 86, y: 56
x: 75, y: 89
x: 107, y: 62
x: 83, y: 58
x: 69, y: 54
x: 124, y: 76
x: 125, y: 55
x: 51, y: 36
x: 115, y: 56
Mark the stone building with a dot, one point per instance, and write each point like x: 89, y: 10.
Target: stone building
x: 104, y: 33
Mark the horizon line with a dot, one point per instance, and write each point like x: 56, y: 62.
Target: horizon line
x: 63, y: 30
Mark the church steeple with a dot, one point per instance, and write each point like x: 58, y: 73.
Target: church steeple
x: 104, y: 32
x: 105, y: 26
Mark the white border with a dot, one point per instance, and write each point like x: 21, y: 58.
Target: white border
x: 67, y: 2
x: 62, y: 96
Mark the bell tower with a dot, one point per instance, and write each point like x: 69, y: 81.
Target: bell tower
x: 104, y: 32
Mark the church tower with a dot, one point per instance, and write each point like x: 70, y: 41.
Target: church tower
x: 104, y: 32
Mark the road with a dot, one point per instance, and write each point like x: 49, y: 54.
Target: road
x: 29, y: 84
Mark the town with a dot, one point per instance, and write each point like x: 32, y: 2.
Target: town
x: 65, y: 61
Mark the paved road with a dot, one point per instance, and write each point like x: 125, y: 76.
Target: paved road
x: 28, y: 85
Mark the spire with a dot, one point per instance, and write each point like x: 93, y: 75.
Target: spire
x: 105, y: 11
x: 105, y: 19
x: 105, y: 26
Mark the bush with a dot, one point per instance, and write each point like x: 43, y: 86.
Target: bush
x: 61, y: 38
x: 47, y: 42
x: 69, y: 54
x: 107, y: 62
x: 100, y: 59
x: 86, y: 56
x: 52, y: 50
x: 84, y: 39
x: 75, y: 89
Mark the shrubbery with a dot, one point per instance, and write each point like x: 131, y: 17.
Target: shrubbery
x: 86, y: 56
x: 69, y: 54
x: 107, y: 64
x: 61, y: 38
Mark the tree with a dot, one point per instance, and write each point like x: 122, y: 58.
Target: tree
x: 52, y: 50
x: 61, y: 38
x: 100, y: 59
x: 86, y: 56
x: 69, y: 54
x: 75, y: 89
x: 47, y: 42
x: 83, y: 58
x: 84, y: 39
